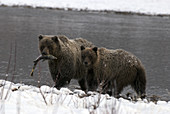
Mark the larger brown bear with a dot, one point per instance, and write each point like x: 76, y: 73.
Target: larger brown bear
x: 68, y: 63
x: 114, y: 69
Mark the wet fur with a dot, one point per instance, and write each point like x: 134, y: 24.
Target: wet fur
x: 68, y: 64
x: 118, y: 68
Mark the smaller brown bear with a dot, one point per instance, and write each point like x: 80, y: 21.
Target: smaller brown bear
x: 114, y: 68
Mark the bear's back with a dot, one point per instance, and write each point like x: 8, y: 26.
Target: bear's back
x: 115, y: 62
x: 118, y: 56
x: 83, y: 42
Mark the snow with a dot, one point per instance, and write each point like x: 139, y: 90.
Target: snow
x: 151, y: 7
x: 24, y: 99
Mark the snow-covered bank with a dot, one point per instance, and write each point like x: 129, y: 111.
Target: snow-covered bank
x: 26, y: 99
x: 150, y: 7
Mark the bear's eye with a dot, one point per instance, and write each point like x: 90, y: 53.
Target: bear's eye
x: 83, y: 56
x: 41, y: 48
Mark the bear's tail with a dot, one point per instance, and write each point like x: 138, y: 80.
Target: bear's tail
x: 140, y: 82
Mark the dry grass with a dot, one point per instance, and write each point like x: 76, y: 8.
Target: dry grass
x: 4, y: 96
x: 7, y: 72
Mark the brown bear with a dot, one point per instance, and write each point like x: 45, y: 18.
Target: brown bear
x: 68, y: 53
x: 114, y: 69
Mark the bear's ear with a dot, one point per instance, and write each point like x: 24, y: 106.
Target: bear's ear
x: 82, y: 47
x: 95, y: 49
x: 55, y: 39
x: 40, y: 37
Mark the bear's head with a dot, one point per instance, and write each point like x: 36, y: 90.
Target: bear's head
x: 88, y: 56
x: 49, y: 45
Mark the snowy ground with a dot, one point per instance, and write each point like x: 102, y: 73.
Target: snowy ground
x: 24, y: 99
x: 151, y: 7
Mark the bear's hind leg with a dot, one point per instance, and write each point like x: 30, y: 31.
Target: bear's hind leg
x: 118, y: 88
x: 139, y: 83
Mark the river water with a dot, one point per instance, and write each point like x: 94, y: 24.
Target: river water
x: 148, y: 37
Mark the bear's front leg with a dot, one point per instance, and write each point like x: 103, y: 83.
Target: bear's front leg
x: 83, y: 84
x: 61, y: 82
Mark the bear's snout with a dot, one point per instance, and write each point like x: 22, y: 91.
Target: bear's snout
x: 86, y: 63
x: 44, y: 53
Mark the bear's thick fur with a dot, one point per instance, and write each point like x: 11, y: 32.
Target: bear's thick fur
x: 114, y: 69
x: 68, y: 64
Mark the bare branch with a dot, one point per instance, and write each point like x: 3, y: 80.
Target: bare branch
x: 7, y: 70
x: 15, y: 53
x: 39, y: 85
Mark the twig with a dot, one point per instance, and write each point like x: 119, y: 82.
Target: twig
x: 19, y: 102
x: 113, y: 109
x: 64, y: 99
x: 15, y: 53
x: 7, y: 70
x: 39, y: 85
x: 2, y: 107
x: 43, y: 96
x: 51, y: 101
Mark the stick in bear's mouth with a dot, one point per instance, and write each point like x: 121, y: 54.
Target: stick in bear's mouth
x: 42, y: 57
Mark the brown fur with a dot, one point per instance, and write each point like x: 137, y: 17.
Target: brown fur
x: 117, y: 68
x: 68, y: 64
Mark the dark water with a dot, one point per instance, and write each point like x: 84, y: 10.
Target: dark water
x: 147, y: 37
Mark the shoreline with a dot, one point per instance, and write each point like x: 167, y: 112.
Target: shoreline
x: 18, y: 87
x: 88, y: 10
